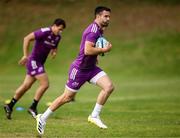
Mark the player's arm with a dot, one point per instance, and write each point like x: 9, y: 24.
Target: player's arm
x: 53, y: 53
x: 91, y: 50
x: 27, y: 39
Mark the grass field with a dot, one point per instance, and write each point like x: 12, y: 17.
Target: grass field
x: 139, y: 107
x: 144, y: 65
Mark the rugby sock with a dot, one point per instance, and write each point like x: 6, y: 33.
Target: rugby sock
x: 12, y: 103
x: 34, y: 104
x: 46, y: 114
x: 97, y: 110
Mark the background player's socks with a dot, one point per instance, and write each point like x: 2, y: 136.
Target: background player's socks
x: 12, y: 103
x: 34, y: 104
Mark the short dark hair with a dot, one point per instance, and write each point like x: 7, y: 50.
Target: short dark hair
x: 99, y: 9
x: 59, y: 22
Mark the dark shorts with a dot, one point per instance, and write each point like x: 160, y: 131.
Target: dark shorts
x: 34, y: 68
x: 77, y: 77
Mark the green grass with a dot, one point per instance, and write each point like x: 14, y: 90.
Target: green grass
x: 139, y: 107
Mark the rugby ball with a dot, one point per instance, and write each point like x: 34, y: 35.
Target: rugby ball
x: 101, y: 42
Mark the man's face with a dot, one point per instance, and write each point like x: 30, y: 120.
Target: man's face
x: 58, y: 29
x: 104, y: 18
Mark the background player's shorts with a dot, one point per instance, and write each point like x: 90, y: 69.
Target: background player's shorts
x: 34, y: 68
x: 78, y: 77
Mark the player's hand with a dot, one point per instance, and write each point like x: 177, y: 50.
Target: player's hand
x: 23, y: 60
x: 53, y: 55
x: 97, y: 60
x: 107, y: 48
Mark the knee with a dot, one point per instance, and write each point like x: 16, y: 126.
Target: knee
x: 109, y: 88
x: 68, y: 98
x: 26, y: 86
x: 45, y: 85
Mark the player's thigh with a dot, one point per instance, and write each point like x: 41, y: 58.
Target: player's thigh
x: 42, y: 78
x: 69, y: 93
x: 29, y: 80
x: 76, y: 79
x: 105, y: 82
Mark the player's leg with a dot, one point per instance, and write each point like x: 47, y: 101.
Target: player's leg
x: 106, y: 85
x: 107, y: 88
x: 43, y: 86
x: 67, y: 96
x: 27, y: 83
x: 75, y: 81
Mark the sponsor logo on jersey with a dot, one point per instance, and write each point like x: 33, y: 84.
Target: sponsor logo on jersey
x: 40, y: 69
x: 75, y: 84
x: 49, y: 37
x: 57, y: 38
x: 49, y: 43
x: 33, y: 72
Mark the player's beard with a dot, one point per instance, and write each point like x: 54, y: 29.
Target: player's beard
x: 105, y: 24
